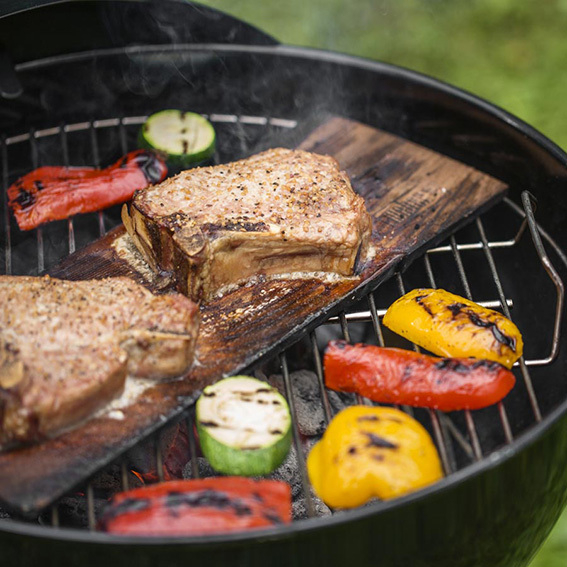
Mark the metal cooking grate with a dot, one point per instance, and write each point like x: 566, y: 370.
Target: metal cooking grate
x: 458, y: 436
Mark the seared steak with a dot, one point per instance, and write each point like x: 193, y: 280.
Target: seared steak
x: 66, y: 347
x: 276, y: 212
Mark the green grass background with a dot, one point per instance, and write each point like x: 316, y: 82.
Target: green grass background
x: 511, y: 52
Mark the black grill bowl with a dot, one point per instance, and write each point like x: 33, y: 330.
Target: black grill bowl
x: 492, y: 511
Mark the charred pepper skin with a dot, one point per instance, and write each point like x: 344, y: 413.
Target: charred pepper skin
x: 54, y: 193
x: 397, y: 376
x: 198, y: 507
x: 449, y: 325
x: 368, y: 452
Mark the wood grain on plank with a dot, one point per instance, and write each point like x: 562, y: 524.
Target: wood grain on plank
x: 415, y: 196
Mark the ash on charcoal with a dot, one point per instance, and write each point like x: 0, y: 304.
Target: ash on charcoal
x: 299, y: 507
x: 288, y: 472
x: 307, y: 400
x: 203, y: 466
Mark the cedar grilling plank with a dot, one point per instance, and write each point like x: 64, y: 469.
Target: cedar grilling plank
x: 279, y: 211
x: 66, y: 348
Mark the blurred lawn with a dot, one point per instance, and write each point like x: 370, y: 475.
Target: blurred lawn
x: 511, y: 52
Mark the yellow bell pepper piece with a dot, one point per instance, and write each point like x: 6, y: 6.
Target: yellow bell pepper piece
x: 369, y: 452
x: 449, y: 325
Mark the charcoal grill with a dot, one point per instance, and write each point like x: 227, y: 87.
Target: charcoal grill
x: 76, y: 94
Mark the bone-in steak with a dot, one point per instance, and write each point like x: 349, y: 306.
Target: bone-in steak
x: 276, y: 212
x: 66, y: 347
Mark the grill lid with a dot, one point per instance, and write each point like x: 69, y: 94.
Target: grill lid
x: 84, y: 25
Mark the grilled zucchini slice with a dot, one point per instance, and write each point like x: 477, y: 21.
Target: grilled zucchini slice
x: 244, y: 426
x: 186, y: 137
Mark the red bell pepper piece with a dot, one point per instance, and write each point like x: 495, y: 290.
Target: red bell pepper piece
x: 397, y: 376
x: 54, y: 192
x: 197, y: 507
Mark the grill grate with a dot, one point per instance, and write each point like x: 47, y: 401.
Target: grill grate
x: 456, y: 435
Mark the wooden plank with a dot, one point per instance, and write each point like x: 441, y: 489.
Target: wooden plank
x: 415, y: 196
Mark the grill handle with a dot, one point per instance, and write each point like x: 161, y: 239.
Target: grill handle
x: 528, y: 202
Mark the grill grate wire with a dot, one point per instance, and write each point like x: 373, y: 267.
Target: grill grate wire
x: 445, y: 431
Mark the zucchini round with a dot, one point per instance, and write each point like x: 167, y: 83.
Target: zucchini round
x: 244, y: 426
x: 186, y: 137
